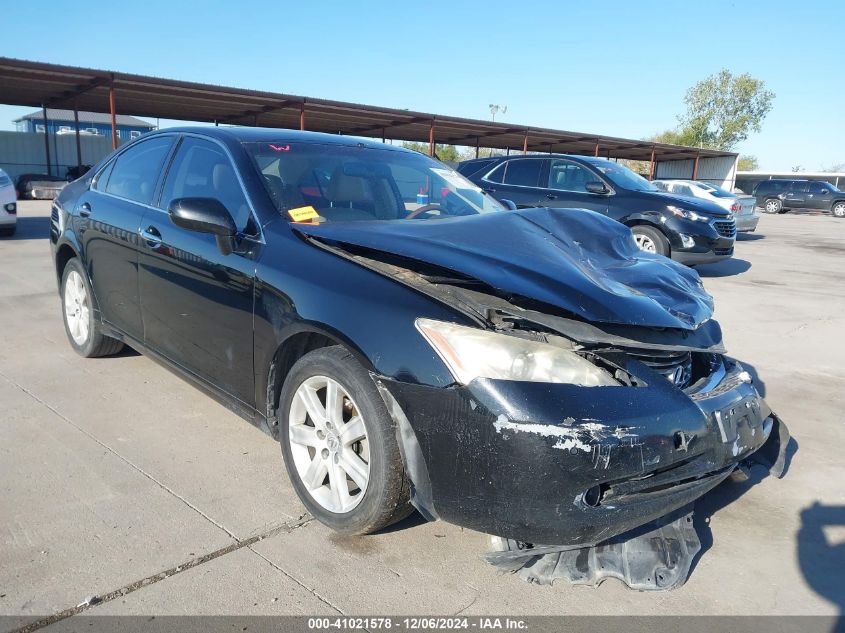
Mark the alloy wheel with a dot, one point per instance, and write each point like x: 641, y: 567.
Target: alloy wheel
x: 329, y: 445
x: 76, y: 308
x: 772, y: 206
x: 839, y: 209
x: 645, y: 243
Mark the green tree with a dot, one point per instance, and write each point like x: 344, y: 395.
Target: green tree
x: 445, y: 153
x: 723, y: 109
x: 747, y: 162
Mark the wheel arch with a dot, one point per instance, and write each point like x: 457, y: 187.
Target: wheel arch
x: 290, y: 350
x: 64, y: 254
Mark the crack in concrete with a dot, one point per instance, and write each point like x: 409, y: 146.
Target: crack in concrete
x: 169, y: 573
x: 313, y: 592
x: 127, y: 461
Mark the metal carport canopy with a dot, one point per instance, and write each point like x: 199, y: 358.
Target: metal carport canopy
x: 28, y: 83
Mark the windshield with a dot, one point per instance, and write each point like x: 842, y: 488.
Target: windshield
x: 623, y: 177
x: 312, y: 182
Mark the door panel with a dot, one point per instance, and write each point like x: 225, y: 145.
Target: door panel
x: 109, y: 219
x: 518, y: 180
x: 108, y: 229
x: 196, y: 303
x: 819, y: 196
x: 796, y: 196
x: 567, y: 187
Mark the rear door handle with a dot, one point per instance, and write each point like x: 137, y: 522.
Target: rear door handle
x: 84, y: 210
x: 551, y: 196
x: 151, y: 236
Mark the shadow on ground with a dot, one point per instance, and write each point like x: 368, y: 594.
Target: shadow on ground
x: 36, y: 228
x: 749, y: 237
x: 724, y: 268
x: 821, y: 561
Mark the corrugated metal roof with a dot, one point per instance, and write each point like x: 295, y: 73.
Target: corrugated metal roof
x: 56, y: 114
x: 34, y: 83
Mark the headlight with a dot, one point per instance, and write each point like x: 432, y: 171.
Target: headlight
x: 684, y: 213
x: 471, y: 353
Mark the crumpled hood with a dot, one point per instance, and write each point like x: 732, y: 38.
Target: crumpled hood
x: 577, y: 260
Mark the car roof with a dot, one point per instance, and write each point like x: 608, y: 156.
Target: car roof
x: 271, y: 134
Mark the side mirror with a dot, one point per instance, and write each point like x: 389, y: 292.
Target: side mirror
x: 594, y: 186
x: 205, y: 215
x: 509, y: 204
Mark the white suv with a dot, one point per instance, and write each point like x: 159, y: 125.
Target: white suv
x: 8, y: 205
x: 740, y: 205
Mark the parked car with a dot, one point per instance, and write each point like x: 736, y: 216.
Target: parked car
x: 39, y: 186
x: 8, y: 205
x: 407, y: 339
x: 779, y: 196
x: 742, y: 206
x: 687, y: 230
x: 77, y: 171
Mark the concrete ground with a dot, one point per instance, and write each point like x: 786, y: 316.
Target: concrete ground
x: 120, y: 481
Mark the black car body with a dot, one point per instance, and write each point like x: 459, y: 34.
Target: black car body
x: 690, y: 231
x: 510, y: 449
x: 780, y: 196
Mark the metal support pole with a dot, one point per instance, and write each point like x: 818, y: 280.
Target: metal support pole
x: 695, y: 168
x: 651, y: 166
x: 302, y: 117
x: 382, y: 135
x: 46, y: 139
x: 431, y: 139
x: 525, y: 144
x: 476, y: 147
x: 596, y: 153
x: 255, y: 120
x: 508, y: 151
x: 78, y: 144
x: 113, y: 110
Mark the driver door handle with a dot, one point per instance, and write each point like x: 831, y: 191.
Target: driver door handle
x: 84, y: 210
x: 551, y: 196
x: 151, y: 236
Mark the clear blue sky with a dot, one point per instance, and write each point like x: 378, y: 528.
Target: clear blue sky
x: 618, y: 68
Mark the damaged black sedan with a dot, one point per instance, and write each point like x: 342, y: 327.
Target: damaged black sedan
x: 410, y: 342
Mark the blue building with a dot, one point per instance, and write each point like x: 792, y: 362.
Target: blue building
x: 90, y: 123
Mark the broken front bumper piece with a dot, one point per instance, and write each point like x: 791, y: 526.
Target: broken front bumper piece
x: 541, y: 463
x: 656, y: 556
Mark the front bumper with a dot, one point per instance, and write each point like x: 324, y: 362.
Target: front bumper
x: 709, y: 244
x: 554, y: 463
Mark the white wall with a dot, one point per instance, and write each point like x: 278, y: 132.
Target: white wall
x: 717, y: 170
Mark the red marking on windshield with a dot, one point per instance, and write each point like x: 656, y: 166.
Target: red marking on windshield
x: 279, y: 148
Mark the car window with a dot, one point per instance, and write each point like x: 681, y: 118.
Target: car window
x: 498, y: 174
x: 201, y: 169
x: 820, y: 187
x: 682, y: 190
x: 564, y: 175
x: 102, y: 178
x: 524, y: 172
x: 136, y: 171
x: 800, y: 187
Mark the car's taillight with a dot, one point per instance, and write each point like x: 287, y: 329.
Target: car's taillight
x: 735, y: 207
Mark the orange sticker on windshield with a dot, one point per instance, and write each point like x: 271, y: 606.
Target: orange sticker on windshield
x: 301, y: 214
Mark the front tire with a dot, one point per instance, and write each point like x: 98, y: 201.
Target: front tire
x: 77, y: 308
x: 838, y: 210
x: 339, y: 444
x: 773, y: 205
x: 650, y: 240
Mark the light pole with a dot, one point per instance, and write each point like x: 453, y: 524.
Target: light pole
x: 495, y: 109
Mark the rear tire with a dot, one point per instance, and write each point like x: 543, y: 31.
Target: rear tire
x: 82, y: 330
x: 343, y: 460
x: 838, y: 209
x: 773, y: 205
x: 650, y: 240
